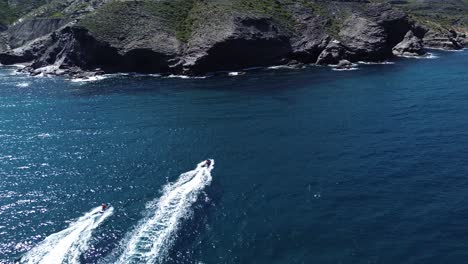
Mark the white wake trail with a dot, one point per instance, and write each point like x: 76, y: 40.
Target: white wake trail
x: 153, y: 237
x: 67, y: 245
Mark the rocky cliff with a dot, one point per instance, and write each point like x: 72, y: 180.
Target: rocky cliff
x: 200, y: 36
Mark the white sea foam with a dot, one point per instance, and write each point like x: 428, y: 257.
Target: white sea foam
x: 353, y: 67
x: 155, y: 234
x: 186, y: 77
x: 154, y: 75
x: 426, y: 56
x: 447, y: 50
x: 20, y: 66
x: 90, y: 79
x: 44, y: 135
x: 279, y: 67
x: 431, y: 56
x: 49, y: 71
x: 178, y: 76
x: 23, y: 84
x: 67, y: 245
x: 375, y: 63
x: 123, y: 74
x: 346, y: 69
x: 236, y: 73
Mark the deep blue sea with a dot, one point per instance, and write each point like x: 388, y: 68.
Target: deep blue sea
x: 311, y: 166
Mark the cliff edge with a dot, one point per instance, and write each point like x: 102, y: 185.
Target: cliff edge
x: 194, y: 37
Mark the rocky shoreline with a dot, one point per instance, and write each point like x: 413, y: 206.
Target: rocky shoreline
x: 230, y: 41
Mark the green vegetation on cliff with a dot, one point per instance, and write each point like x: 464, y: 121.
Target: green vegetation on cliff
x: 173, y: 16
x: 198, y: 36
x: 7, y: 14
x: 65, y: 9
x: 435, y: 13
x: 177, y: 16
x: 271, y: 8
x: 12, y: 10
x: 181, y: 17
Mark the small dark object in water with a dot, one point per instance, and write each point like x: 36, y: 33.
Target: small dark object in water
x: 207, y: 163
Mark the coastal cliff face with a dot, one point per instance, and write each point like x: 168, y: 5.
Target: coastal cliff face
x: 195, y: 37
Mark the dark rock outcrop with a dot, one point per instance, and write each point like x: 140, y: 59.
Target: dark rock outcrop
x: 344, y: 64
x: 311, y: 37
x: 196, y: 37
x: 74, y: 49
x: 462, y: 39
x: 419, y: 30
x: 243, y: 41
x: 371, y: 35
x: 31, y: 29
x: 26, y: 53
x: 410, y: 46
x: 333, y: 53
x: 3, y: 43
x: 16, y: 56
x: 444, y: 39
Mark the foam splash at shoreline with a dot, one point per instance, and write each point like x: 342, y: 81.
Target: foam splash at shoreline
x: 289, y: 67
x: 352, y: 67
x: 67, y: 245
x: 97, y: 78
x: 345, y: 69
x: 186, y: 76
x: 19, y: 66
x: 428, y: 55
x: 376, y: 63
x: 22, y: 84
x: 89, y: 79
x: 447, y: 50
x: 233, y: 74
x: 153, y: 237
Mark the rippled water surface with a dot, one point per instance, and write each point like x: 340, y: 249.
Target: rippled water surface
x: 312, y: 165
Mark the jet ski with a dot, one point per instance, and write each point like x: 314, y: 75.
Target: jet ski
x: 104, y: 207
x: 207, y: 164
